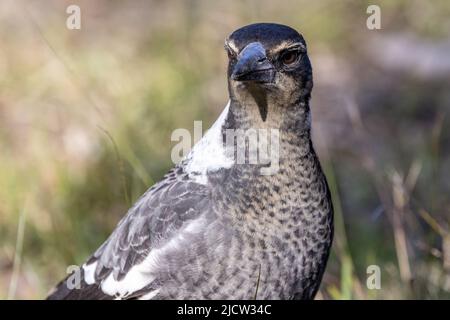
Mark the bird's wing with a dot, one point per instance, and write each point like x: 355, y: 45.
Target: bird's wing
x: 122, y: 266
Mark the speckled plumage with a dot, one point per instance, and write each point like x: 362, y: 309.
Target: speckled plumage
x: 236, y: 234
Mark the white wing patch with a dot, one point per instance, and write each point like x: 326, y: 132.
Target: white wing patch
x: 143, y: 274
x: 209, y: 153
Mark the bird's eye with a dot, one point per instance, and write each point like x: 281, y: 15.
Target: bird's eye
x: 231, y: 54
x: 289, y: 57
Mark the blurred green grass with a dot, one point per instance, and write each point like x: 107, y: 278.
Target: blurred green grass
x: 86, y: 118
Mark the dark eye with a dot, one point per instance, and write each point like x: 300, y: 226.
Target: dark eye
x: 230, y: 52
x: 289, y: 57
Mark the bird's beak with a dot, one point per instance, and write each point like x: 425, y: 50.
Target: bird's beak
x: 253, y: 65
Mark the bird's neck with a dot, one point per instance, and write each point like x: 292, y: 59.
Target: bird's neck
x: 293, y: 120
x: 296, y: 177
x: 269, y: 198
x: 287, y: 130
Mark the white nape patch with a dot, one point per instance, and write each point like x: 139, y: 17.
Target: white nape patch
x: 89, y: 272
x: 149, y: 295
x: 143, y: 274
x: 209, y: 153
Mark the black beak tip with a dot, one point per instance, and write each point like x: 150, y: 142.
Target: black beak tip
x: 257, y: 76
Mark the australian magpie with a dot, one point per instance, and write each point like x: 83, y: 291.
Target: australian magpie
x: 218, y: 228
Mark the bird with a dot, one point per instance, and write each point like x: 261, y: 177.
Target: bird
x: 218, y: 228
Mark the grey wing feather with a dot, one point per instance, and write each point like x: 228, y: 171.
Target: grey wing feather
x: 153, y: 220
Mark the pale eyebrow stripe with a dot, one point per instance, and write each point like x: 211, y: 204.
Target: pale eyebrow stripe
x: 231, y: 45
x: 286, y: 45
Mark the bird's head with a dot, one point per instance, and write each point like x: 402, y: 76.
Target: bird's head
x: 268, y: 66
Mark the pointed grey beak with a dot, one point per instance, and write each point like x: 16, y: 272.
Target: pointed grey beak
x: 253, y: 65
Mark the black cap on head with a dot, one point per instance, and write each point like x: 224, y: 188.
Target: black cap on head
x: 268, y: 34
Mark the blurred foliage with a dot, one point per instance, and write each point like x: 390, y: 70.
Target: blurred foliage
x: 86, y: 118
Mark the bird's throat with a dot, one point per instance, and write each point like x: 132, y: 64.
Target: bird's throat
x: 260, y: 97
